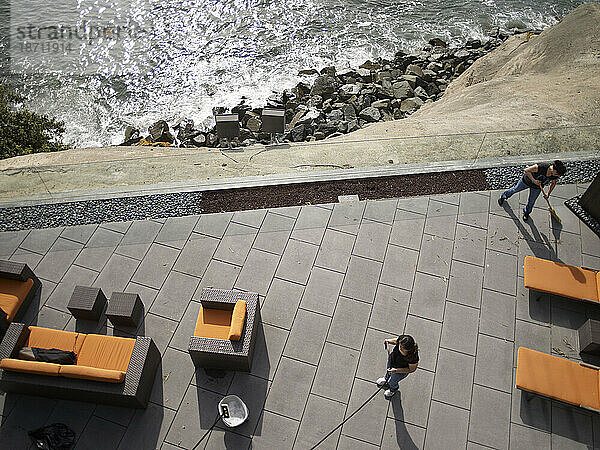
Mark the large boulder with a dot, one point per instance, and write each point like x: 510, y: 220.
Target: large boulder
x: 370, y: 114
x: 159, y: 132
x: 349, y: 112
x: 413, y: 69
x: 254, y: 124
x: 411, y: 104
x: 298, y: 133
x: 324, y: 86
x: 402, y: 89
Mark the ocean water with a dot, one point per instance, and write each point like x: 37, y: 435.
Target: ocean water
x: 100, y: 65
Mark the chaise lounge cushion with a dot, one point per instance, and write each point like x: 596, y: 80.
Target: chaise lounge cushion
x: 35, y: 367
x: 12, y: 295
x: 213, y: 323
x: 92, y: 373
x: 48, y: 338
x: 106, y: 352
x: 237, y: 321
x: 557, y: 378
x: 561, y: 279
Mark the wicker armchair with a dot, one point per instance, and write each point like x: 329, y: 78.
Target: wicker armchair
x: 224, y: 353
x: 134, y: 391
x: 10, y: 270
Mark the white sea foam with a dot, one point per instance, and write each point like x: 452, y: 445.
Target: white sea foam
x: 184, y: 57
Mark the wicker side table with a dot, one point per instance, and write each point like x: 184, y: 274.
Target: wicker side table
x: 87, y: 303
x: 589, y: 337
x: 125, y: 309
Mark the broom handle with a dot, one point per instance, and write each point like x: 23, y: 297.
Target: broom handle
x: 545, y: 198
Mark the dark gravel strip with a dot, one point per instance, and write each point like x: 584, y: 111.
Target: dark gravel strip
x: 188, y: 203
x: 98, y: 211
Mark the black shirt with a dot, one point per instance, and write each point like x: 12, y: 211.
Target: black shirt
x: 398, y: 360
x: 540, y: 175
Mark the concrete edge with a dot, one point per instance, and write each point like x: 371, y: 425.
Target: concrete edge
x: 295, y: 178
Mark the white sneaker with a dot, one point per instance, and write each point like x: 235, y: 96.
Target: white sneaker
x: 381, y: 381
x: 388, y: 393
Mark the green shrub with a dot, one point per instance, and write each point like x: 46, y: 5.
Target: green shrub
x: 23, y: 132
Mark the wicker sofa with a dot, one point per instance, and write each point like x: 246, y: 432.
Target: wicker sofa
x: 113, y: 370
x: 18, y: 287
x: 226, y: 330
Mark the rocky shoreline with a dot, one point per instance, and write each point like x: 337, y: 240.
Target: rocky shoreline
x: 338, y: 101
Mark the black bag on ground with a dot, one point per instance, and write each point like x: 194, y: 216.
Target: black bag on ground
x: 57, y: 436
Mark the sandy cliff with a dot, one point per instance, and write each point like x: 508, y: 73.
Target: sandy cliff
x: 548, y: 80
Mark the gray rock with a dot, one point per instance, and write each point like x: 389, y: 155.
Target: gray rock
x: 437, y: 42
x: 413, y: 69
x: 159, y: 132
x: 412, y: 80
x: 350, y: 89
x: 315, y: 101
x: 349, y: 112
x: 383, y: 75
x: 336, y: 114
x: 421, y: 93
x: 429, y: 75
x: 319, y: 135
x: 462, y: 53
x: 254, y: 124
x: 131, y: 133
x: 435, y: 66
x: 324, y: 86
x: 410, y: 104
x: 370, y: 114
x: 385, y: 89
x: 212, y: 139
x: 402, y: 89
x: 336, y: 134
x: 352, y: 125
x: 310, y: 116
x: 308, y: 72
x: 330, y: 70
x: 368, y: 64
x: 365, y: 74
x: 380, y: 104
x: 298, y: 133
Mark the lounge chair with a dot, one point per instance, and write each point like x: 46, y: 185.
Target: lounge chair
x: 226, y: 330
x: 558, y: 378
x: 552, y: 277
x: 18, y: 287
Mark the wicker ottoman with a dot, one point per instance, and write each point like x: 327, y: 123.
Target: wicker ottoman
x: 87, y: 303
x: 125, y: 309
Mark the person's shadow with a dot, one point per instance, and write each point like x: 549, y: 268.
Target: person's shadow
x: 403, y: 438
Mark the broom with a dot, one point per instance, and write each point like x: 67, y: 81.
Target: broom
x: 550, y: 208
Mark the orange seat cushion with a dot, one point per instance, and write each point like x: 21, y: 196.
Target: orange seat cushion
x: 560, y: 279
x: 35, y: 367
x: 213, y: 323
x: 558, y: 378
x: 106, y: 352
x: 92, y: 373
x: 12, y: 295
x: 237, y: 321
x: 48, y: 338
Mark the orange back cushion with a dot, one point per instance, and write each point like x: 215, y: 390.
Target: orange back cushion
x: 48, y: 338
x: 558, y: 378
x: 106, y: 352
x: 213, y: 323
x: 561, y: 279
x: 12, y: 295
x: 237, y: 321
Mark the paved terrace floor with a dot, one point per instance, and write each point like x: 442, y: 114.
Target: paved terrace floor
x: 334, y: 281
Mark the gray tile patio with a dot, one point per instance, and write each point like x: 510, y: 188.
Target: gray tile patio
x: 334, y: 281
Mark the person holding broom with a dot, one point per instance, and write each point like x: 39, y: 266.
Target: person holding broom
x: 402, y: 360
x: 535, y: 178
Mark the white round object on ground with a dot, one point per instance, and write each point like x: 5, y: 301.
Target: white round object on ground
x: 237, y: 409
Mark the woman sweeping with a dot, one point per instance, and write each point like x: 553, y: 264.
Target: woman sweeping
x: 402, y: 360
